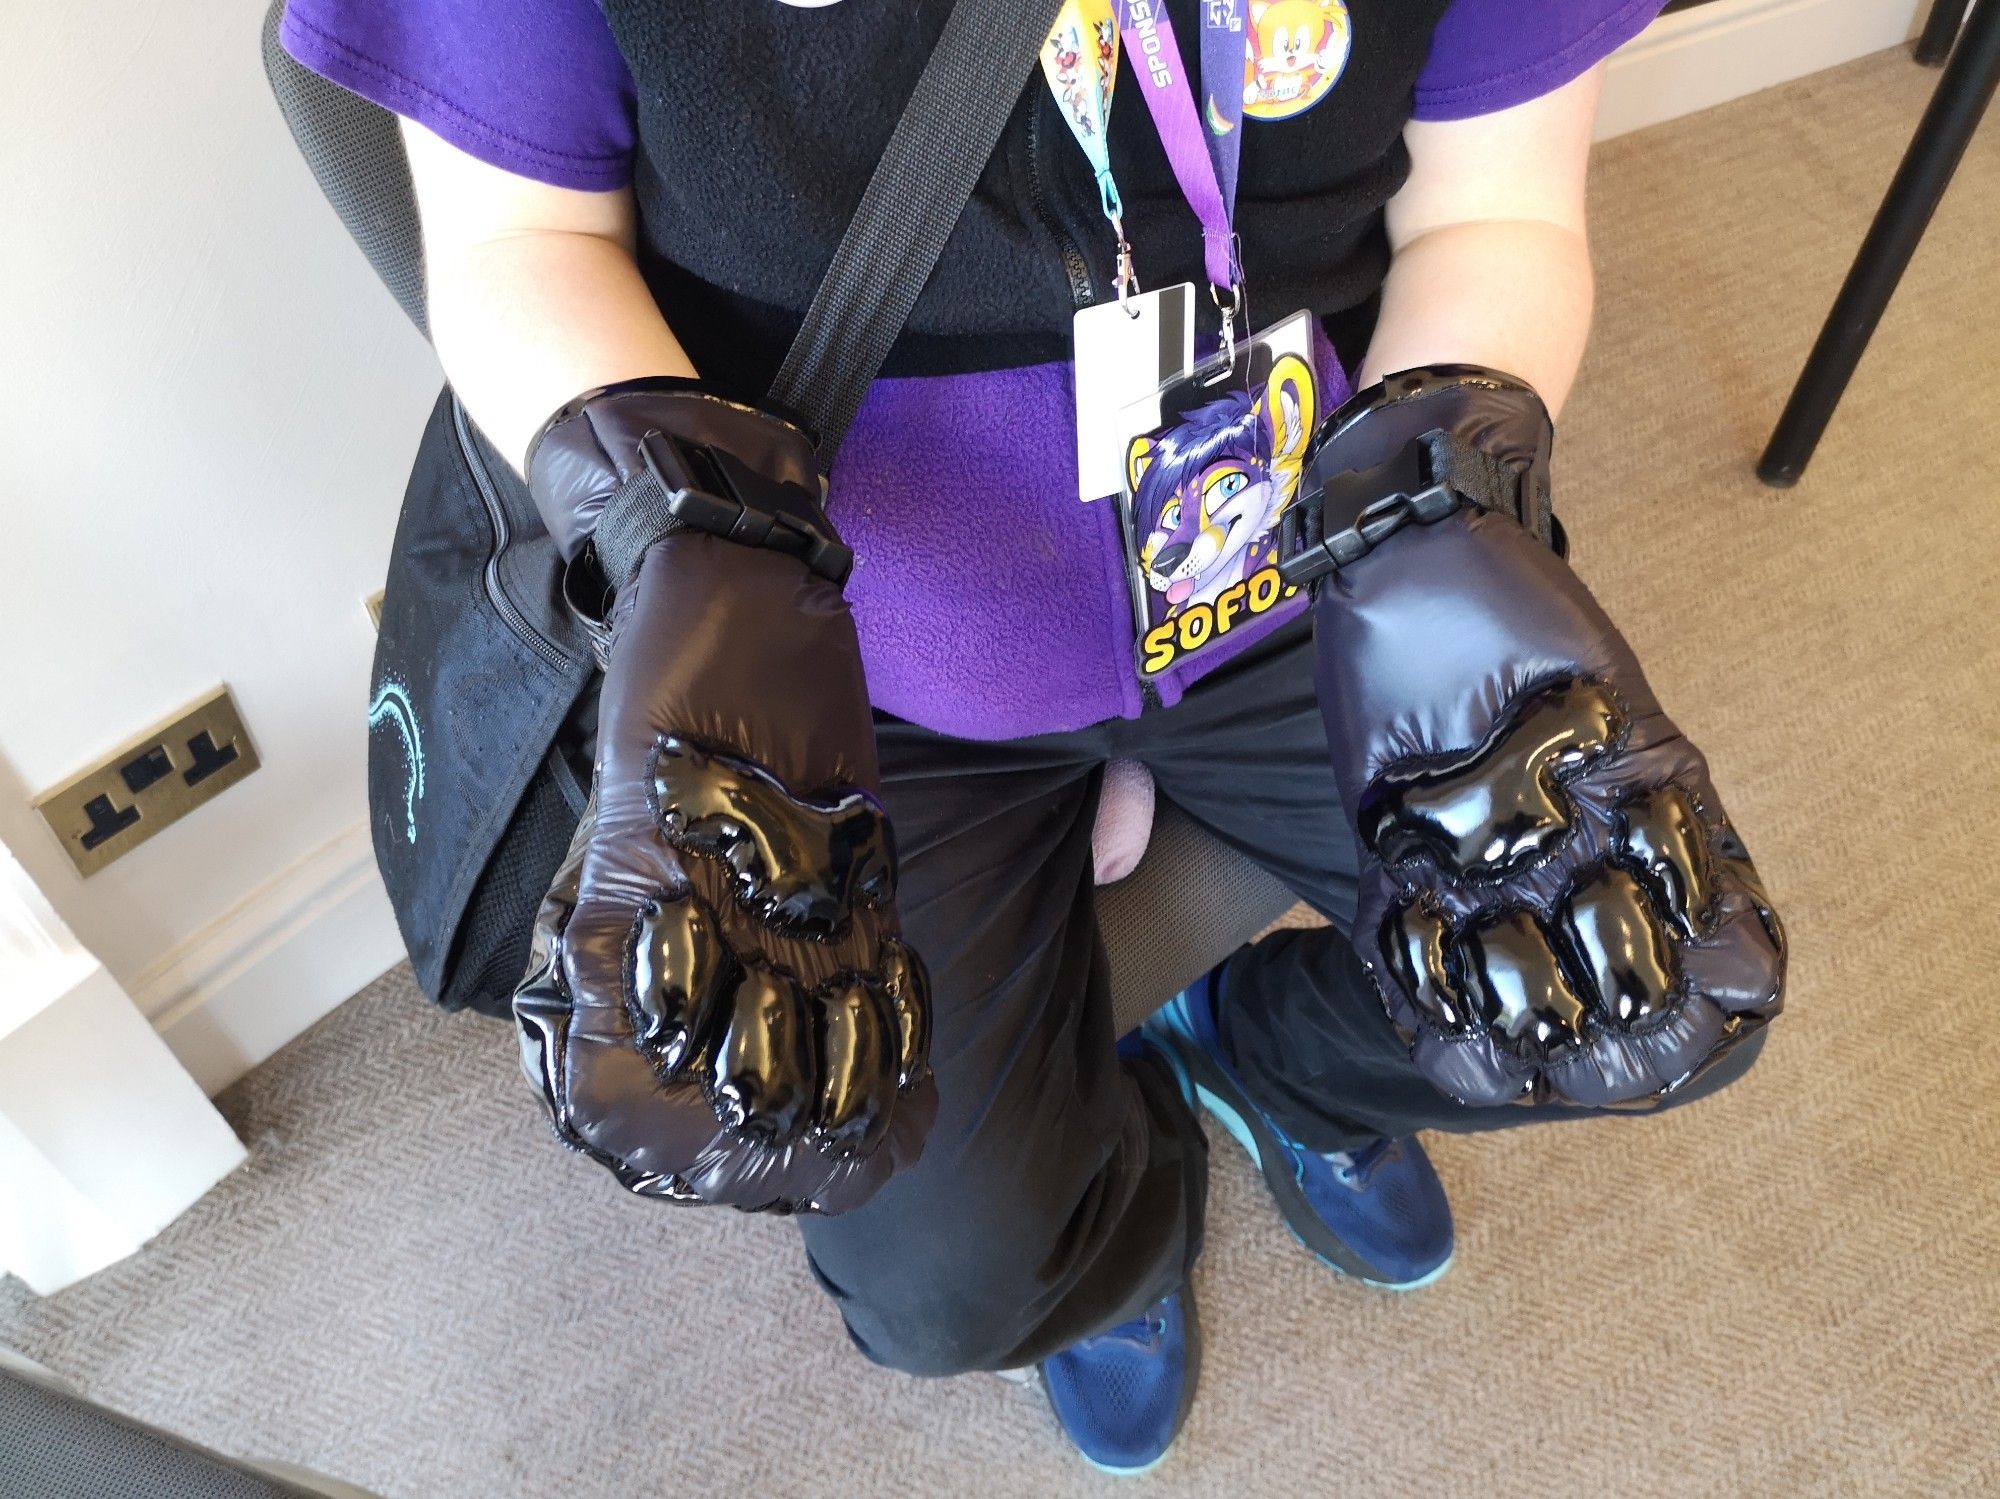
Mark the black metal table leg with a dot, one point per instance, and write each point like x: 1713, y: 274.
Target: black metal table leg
x: 1940, y: 31
x: 1920, y: 182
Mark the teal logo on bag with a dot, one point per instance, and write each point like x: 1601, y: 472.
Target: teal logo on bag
x: 392, y: 706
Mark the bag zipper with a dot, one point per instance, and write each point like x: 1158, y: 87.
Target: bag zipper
x: 496, y: 515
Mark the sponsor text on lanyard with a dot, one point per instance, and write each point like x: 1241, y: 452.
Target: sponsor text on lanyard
x: 1203, y: 145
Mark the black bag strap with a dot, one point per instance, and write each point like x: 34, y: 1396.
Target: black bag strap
x: 926, y: 175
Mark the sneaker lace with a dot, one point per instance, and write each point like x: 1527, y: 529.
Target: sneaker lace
x: 1143, y: 1331
x: 1356, y: 1167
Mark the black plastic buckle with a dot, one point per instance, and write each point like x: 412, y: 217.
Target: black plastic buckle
x: 1359, y: 509
x: 713, y: 491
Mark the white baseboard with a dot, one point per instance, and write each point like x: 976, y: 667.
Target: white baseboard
x: 1697, y: 58
x: 253, y: 979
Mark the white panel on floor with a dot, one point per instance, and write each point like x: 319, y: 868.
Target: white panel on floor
x: 104, y: 1138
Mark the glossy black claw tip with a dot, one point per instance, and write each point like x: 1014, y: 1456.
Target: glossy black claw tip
x: 1417, y: 945
x: 761, y: 1077
x: 857, y: 1047
x: 1620, y: 948
x: 907, y: 983
x: 661, y: 1186
x: 1660, y: 837
x: 678, y: 973
x: 1524, y: 997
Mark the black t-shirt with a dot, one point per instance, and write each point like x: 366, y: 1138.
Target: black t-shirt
x: 758, y: 126
x: 750, y: 128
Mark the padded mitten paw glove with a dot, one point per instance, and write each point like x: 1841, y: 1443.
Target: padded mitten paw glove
x: 718, y: 1007
x: 1553, y: 903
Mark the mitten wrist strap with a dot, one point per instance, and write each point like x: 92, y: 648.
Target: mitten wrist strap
x: 691, y: 486
x: 1438, y: 465
x: 1431, y: 477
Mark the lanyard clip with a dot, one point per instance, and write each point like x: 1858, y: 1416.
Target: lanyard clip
x: 1127, y: 279
x: 1229, y: 302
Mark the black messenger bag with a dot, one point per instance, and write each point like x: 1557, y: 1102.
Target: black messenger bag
x: 478, y: 721
x: 483, y: 706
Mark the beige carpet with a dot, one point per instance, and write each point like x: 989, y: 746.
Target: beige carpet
x: 1794, y: 1289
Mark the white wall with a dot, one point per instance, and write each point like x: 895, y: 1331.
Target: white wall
x: 207, y: 410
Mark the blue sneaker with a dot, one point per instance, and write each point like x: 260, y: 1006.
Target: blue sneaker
x: 1378, y: 1214
x: 1122, y: 1395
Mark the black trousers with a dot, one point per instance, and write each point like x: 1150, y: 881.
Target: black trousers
x: 1061, y: 1190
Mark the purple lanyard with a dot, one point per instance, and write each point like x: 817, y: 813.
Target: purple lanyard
x: 1203, y: 145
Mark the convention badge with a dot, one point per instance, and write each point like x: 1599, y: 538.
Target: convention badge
x: 1125, y: 350
x: 1212, y: 463
x: 1296, y: 52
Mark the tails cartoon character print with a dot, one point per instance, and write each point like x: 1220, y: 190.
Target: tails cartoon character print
x: 1297, y: 51
x: 1207, y: 496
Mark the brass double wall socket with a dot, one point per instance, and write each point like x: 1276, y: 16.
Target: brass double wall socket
x: 150, y: 782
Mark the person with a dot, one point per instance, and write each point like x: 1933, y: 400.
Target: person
x: 618, y: 199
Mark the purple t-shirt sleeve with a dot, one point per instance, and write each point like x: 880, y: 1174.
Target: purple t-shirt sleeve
x: 1494, y: 54
x: 536, y: 87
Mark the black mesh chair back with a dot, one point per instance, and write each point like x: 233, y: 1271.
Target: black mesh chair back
x: 55, y: 1444
x: 1192, y: 901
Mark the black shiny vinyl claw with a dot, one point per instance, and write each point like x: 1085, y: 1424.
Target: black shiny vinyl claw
x: 761, y: 1077
x: 1662, y: 841
x: 907, y: 983
x: 679, y: 974
x: 1521, y: 990
x: 1417, y: 945
x: 857, y: 1040
x: 800, y: 864
x: 1619, y: 948
x: 1499, y: 807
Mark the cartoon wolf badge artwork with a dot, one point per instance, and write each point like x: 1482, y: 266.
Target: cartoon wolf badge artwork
x: 1207, y: 494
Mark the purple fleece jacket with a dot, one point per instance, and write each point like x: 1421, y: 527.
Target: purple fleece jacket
x: 1014, y: 618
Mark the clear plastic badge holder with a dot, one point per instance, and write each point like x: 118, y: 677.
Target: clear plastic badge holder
x: 1212, y: 463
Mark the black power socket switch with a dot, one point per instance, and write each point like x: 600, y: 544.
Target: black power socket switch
x: 208, y: 759
x: 152, y: 766
x: 106, y: 820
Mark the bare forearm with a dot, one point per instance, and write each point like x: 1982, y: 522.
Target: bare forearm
x: 1515, y: 296
x: 1492, y: 256
x: 533, y: 290
x: 525, y: 322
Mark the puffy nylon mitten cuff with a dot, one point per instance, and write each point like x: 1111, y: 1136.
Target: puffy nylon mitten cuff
x: 597, y: 462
